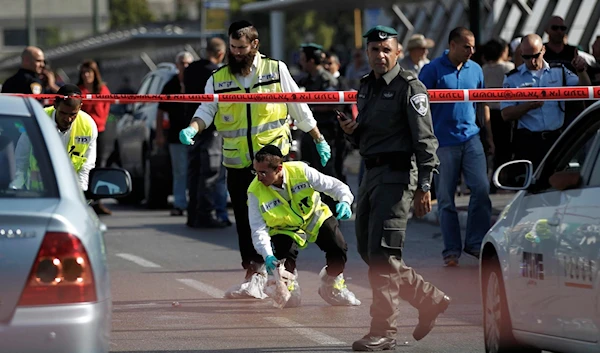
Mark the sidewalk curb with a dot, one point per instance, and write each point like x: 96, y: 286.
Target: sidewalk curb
x: 432, y: 217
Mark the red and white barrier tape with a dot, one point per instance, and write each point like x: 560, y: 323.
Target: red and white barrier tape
x: 326, y: 97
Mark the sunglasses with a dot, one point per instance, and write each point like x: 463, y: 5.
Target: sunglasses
x: 531, y: 56
x: 557, y: 27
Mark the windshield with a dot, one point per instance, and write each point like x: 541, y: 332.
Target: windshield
x: 25, y: 168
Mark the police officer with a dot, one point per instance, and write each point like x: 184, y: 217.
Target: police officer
x: 27, y: 79
x: 319, y: 79
x: 393, y: 126
x: 539, y: 123
x: 246, y: 128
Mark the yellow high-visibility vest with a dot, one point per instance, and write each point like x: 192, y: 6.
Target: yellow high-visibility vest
x: 79, y: 142
x: 248, y: 127
x: 301, y: 217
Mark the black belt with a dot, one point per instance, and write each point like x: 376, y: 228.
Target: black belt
x: 396, y: 161
x: 543, y: 135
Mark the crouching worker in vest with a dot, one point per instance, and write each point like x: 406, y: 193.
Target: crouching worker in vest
x: 285, y: 209
x: 78, y: 133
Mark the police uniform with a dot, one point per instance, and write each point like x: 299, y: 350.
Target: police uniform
x: 538, y: 129
x: 394, y: 127
x: 24, y: 81
x: 326, y: 120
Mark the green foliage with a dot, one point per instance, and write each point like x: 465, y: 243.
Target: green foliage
x: 124, y: 13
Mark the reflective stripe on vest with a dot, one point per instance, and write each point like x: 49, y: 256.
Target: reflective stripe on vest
x: 301, y: 217
x: 246, y: 128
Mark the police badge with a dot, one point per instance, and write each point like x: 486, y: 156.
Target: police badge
x: 419, y: 103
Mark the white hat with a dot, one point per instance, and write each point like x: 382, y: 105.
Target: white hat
x: 419, y: 41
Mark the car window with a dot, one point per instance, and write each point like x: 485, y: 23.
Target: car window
x: 25, y: 168
x: 570, y: 152
x: 595, y: 175
x: 144, y: 89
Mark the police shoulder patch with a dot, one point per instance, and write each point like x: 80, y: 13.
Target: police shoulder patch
x: 36, y: 88
x: 420, y: 103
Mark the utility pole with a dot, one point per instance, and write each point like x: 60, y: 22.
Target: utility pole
x: 31, y: 39
x: 96, y: 17
x: 474, y: 19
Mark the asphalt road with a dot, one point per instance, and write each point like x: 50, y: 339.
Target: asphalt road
x: 168, y: 281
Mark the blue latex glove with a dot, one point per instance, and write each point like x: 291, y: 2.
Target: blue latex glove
x: 324, y: 152
x: 186, y: 135
x: 343, y: 210
x: 270, y: 263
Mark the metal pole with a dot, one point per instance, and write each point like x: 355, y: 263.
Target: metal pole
x: 474, y: 19
x: 31, y: 39
x: 96, y: 16
x: 358, y: 41
x: 277, y: 30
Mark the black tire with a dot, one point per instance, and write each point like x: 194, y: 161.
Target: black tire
x: 497, y: 328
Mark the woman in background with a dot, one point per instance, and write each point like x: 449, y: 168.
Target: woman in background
x: 90, y: 82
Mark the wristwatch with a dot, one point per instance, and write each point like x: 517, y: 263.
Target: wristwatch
x: 425, y: 187
x: 320, y: 139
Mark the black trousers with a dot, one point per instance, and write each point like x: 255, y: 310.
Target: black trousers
x: 330, y: 240
x: 309, y: 152
x: 201, y: 177
x: 533, y: 146
x: 384, y: 201
x: 238, y: 181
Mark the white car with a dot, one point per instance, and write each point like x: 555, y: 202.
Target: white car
x: 539, y: 263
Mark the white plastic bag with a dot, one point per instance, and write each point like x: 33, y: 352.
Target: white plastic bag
x: 277, y: 286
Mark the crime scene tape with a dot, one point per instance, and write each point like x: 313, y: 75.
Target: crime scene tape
x: 348, y: 97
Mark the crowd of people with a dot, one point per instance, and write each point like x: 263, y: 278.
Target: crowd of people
x: 408, y: 147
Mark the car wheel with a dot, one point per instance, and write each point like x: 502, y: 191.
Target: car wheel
x: 498, y: 336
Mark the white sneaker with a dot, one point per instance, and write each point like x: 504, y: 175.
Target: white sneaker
x: 334, y: 290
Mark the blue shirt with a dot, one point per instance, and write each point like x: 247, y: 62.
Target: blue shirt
x: 453, y: 123
x: 551, y: 115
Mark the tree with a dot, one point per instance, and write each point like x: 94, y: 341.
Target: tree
x: 126, y: 13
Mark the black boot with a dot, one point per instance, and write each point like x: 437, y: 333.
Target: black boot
x: 371, y: 343
x: 427, y: 318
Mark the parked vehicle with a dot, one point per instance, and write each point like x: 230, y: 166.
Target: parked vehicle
x: 149, y: 166
x: 539, y: 263
x: 54, y: 281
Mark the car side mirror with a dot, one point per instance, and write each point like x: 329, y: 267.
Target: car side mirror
x: 108, y: 183
x: 514, y: 175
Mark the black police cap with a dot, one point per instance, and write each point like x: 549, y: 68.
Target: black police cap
x: 380, y: 33
x: 311, y: 46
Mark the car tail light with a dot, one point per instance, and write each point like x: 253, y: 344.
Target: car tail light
x: 61, y: 273
x: 292, y: 156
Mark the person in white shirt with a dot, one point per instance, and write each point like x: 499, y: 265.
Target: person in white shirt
x: 246, y: 128
x: 78, y: 133
x: 286, y: 214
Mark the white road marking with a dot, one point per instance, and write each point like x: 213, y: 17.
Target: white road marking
x: 138, y: 260
x: 202, y: 287
x: 306, y: 332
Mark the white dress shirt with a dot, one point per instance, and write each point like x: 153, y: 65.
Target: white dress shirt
x: 23, y: 151
x: 318, y: 181
x: 300, y: 112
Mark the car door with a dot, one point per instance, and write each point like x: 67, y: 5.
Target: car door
x: 533, y: 277
x: 539, y: 228
x: 578, y: 249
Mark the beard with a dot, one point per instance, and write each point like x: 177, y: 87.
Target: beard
x: 242, y: 63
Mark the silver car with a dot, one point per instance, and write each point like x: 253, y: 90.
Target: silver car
x: 540, y: 262
x: 54, y: 282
